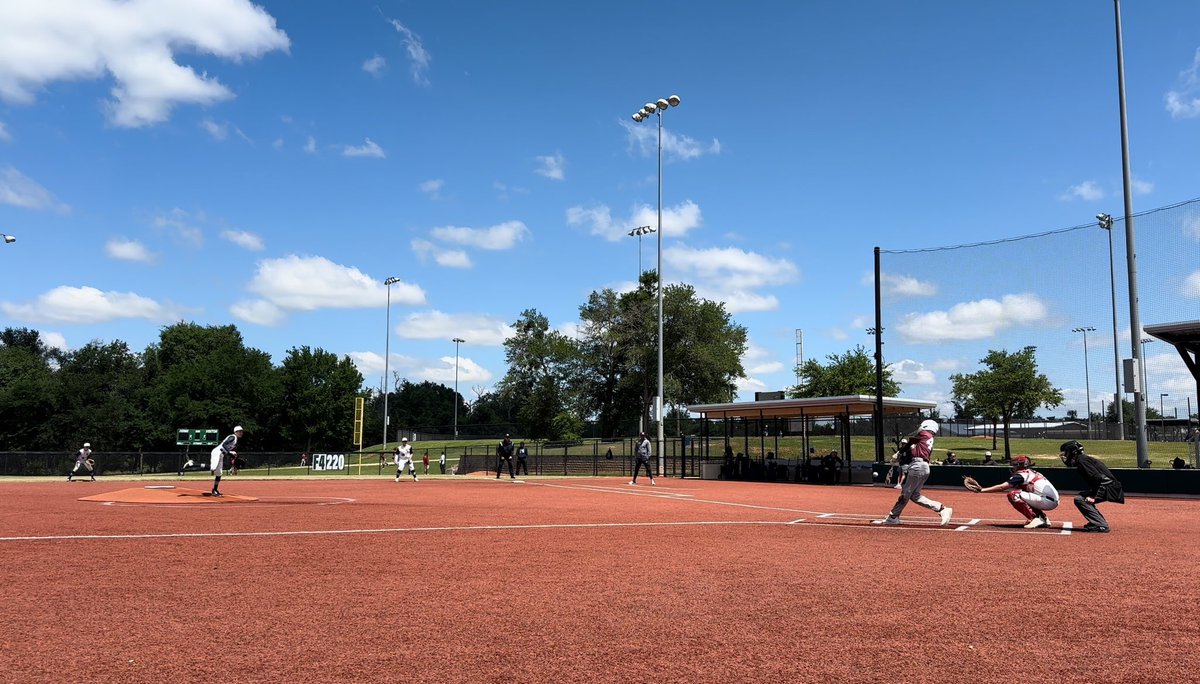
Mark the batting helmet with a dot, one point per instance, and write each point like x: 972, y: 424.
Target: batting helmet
x: 928, y: 426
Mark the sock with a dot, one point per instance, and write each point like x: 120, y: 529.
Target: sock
x: 216, y: 483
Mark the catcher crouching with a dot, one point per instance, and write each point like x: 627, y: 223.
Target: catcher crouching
x: 1028, y: 491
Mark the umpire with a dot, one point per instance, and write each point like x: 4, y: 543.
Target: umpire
x: 1101, y: 485
x: 504, y: 454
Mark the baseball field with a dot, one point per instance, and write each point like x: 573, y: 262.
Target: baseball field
x: 470, y: 579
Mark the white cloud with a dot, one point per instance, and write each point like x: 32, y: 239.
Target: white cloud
x: 946, y: 365
x: 133, y: 43
x: 477, y: 329
x: 909, y: 372
x: 738, y: 301
x: 1087, y: 190
x: 553, y: 167
x: 1141, y: 187
x: 277, y: 143
x: 643, y: 137
x: 66, y: 304
x: 1191, y: 285
x: 902, y: 285
x: 309, y: 283
x: 370, y: 364
x: 732, y: 268
x: 498, y: 237
x: 677, y: 221
x: 54, y: 340
x: 310, y: 145
x: 375, y: 66
x: 22, y: 191
x: 1191, y: 228
x: 180, y: 225
x: 128, y: 250
x: 973, y: 320
x: 1184, y: 102
x: 450, y: 258
x: 432, y: 187
x: 244, y: 239
x: 468, y: 372
x: 418, y: 57
x: 258, y: 312
x: 216, y: 130
x: 367, y: 149
x: 4, y: 134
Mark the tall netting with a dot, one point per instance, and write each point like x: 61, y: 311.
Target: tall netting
x: 944, y: 308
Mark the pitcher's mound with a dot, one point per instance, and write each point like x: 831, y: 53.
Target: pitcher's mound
x: 154, y: 494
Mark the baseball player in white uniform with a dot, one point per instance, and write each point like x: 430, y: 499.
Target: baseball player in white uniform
x: 402, y: 456
x: 83, y: 460
x: 1029, y: 492
x: 216, y: 459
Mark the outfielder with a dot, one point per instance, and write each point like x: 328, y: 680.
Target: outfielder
x: 216, y: 460
x: 914, y: 455
x: 84, y: 460
x: 1028, y: 491
x: 403, y: 455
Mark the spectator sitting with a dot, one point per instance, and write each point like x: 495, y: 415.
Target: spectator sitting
x: 952, y: 458
x: 1180, y: 464
x: 772, y: 466
x: 987, y: 458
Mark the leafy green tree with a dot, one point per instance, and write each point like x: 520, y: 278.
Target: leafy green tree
x: 491, y: 413
x: 318, y: 391
x: 425, y: 404
x: 539, y: 378
x: 1010, y: 387
x: 846, y: 374
x: 101, y: 396
x: 28, y: 387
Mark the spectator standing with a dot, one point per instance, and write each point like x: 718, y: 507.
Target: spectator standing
x: 84, y: 460
x: 227, y: 449
x: 504, y: 454
x: 522, y: 458
x: 442, y: 461
x: 987, y: 459
x: 425, y: 461
x: 642, y: 457
x: 1101, y: 485
x: 914, y: 456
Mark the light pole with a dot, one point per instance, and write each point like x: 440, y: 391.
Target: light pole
x: 638, y: 233
x: 387, y: 352
x: 1087, y: 383
x: 1106, y: 222
x: 457, y: 341
x: 652, y: 108
x: 1162, y: 417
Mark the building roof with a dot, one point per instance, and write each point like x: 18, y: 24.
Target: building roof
x: 812, y: 407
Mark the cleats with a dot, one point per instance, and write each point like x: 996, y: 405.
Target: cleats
x: 945, y: 514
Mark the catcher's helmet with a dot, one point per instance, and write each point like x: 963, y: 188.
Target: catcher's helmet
x: 1071, y: 448
x: 1020, y: 462
x: 928, y: 426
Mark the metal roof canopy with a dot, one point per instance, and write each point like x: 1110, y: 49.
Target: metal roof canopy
x: 1185, y: 337
x: 812, y: 407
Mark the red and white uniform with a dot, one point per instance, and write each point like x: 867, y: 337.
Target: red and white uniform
x: 1032, y: 489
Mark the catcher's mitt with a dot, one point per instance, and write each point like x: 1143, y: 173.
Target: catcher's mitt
x: 971, y: 484
x: 91, y: 462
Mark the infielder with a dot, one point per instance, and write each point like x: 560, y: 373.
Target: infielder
x: 1028, y: 491
x: 84, y: 460
x: 216, y: 461
x: 914, y: 456
x: 641, y: 454
x: 403, y: 455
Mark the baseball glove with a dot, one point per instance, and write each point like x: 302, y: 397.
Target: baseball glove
x: 91, y: 462
x: 971, y: 484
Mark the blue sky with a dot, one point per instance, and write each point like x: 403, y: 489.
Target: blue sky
x: 270, y: 164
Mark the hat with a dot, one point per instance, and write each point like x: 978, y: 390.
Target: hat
x: 87, y: 445
x: 987, y: 453
x: 238, y: 429
x: 403, y: 439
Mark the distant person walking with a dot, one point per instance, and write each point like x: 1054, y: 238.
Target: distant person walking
x: 227, y: 449
x: 84, y: 461
x: 504, y: 454
x: 641, y: 455
x: 442, y: 462
x: 522, y: 459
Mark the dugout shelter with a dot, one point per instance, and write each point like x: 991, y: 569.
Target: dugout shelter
x: 1185, y: 337
x: 775, y: 417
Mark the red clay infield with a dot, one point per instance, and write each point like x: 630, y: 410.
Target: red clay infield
x: 589, y: 580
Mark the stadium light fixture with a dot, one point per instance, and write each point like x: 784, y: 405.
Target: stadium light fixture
x: 651, y: 108
x: 457, y: 341
x: 1106, y: 223
x: 638, y: 233
x: 387, y: 352
x: 1087, y: 383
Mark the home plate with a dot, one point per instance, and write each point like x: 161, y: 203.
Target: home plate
x: 156, y: 494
